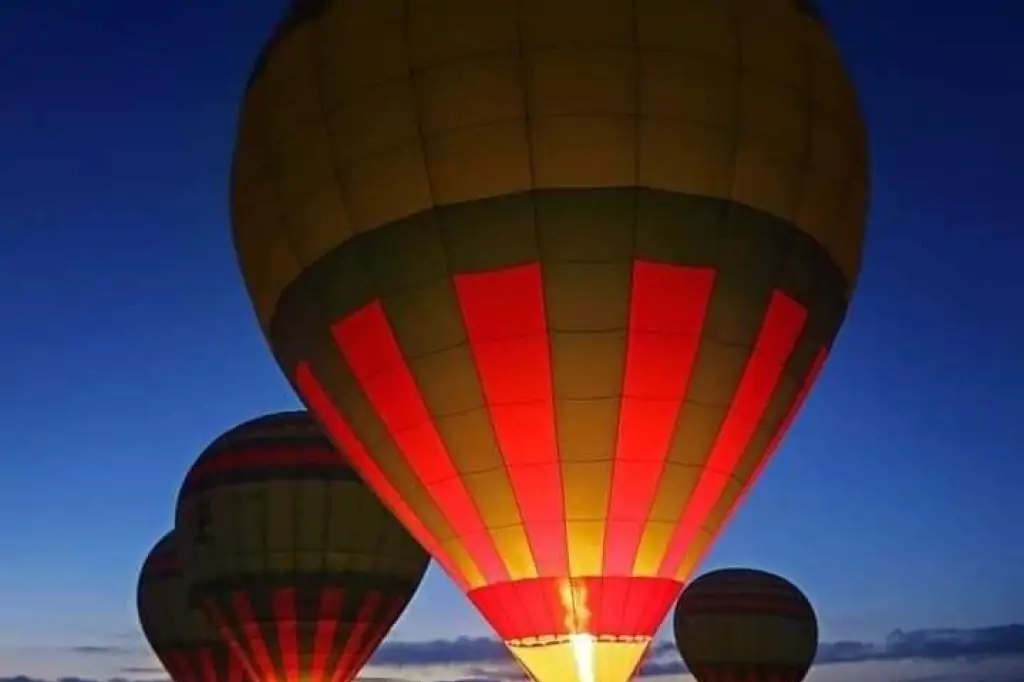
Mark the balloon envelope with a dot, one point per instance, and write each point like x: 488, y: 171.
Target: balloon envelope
x: 745, y: 624
x: 187, y: 646
x: 290, y: 555
x: 557, y: 274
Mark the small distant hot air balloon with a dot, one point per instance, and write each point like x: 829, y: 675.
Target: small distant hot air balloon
x: 187, y: 646
x: 290, y: 555
x: 745, y: 624
x: 557, y: 274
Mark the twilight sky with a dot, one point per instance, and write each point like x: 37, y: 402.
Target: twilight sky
x: 128, y: 344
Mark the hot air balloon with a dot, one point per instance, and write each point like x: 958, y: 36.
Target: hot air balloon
x: 557, y: 275
x: 187, y: 646
x: 290, y: 555
x: 745, y: 624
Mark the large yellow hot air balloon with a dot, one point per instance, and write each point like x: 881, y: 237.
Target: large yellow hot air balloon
x: 186, y: 644
x: 745, y: 624
x: 289, y: 555
x: 557, y: 274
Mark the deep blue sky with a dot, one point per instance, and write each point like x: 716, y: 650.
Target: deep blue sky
x: 127, y: 342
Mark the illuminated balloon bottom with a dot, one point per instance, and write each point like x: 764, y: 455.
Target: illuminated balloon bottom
x: 592, y: 629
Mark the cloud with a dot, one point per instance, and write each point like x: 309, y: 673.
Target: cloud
x: 442, y: 652
x: 926, y: 655
x: 24, y: 678
x: 90, y: 650
x: 142, y: 670
x: 933, y: 644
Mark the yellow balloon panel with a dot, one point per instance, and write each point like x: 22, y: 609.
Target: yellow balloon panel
x: 581, y: 658
x: 384, y: 113
x: 287, y: 526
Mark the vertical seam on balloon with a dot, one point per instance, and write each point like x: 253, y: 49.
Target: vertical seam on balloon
x: 634, y: 234
x: 208, y: 665
x: 346, y: 657
x: 295, y: 507
x: 264, y: 534
x: 285, y: 614
x: 235, y: 670
x: 810, y: 378
x: 374, y: 316
x: 325, y: 114
x: 337, y: 635
x: 531, y: 194
x: 452, y: 290
x: 737, y: 107
x: 774, y: 316
x: 340, y: 431
x: 325, y: 531
x: 283, y: 221
x: 722, y: 218
x: 803, y: 165
x: 239, y: 647
x: 328, y: 612
x: 637, y: 161
x: 235, y: 535
x: 805, y: 160
x: 380, y: 534
x: 406, y: 30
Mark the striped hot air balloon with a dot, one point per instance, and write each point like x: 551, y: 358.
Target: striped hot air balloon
x: 185, y: 643
x: 557, y: 274
x: 290, y: 555
x: 745, y: 625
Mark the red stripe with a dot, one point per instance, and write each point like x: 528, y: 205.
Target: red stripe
x: 267, y: 456
x: 368, y: 343
x: 798, y: 403
x: 179, y: 667
x: 254, y: 636
x: 377, y: 630
x: 328, y: 615
x: 346, y: 668
x: 208, y: 665
x: 283, y: 607
x: 216, y: 618
x: 345, y: 438
x: 812, y: 376
x: 601, y: 606
x: 779, y: 332
x: 235, y: 672
x: 507, y: 328
x: 667, y: 309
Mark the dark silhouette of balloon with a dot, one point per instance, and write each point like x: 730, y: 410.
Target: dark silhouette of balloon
x: 745, y: 624
x: 187, y: 646
x: 290, y: 555
x: 557, y: 274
